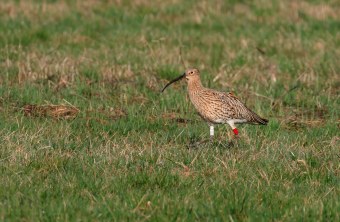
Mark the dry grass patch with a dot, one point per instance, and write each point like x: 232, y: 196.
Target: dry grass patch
x: 35, y: 66
x: 61, y: 71
x: 47, y: 11
x: 301, y: 118
x: 116, y: 73
x: 292, y: 10
x: 317, y: 11
x: 35, y: 11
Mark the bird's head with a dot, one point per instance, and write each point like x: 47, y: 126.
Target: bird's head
x: 189, y: 75
x: 192, y: 74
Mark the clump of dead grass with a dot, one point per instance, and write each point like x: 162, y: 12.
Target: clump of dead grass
x: 54, y: 111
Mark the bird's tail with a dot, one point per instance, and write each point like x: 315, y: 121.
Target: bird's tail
x: 256, y: 119
x: 263, y: 121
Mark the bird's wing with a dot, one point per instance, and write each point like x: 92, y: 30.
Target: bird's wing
x: 237, y: 109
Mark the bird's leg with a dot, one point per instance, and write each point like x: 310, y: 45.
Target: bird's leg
x: 235, y: 131
x: 235, y: 136
x: 211, y: 132
x: 233, y: 127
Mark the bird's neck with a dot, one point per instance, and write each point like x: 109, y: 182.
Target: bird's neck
x: 195, y: 85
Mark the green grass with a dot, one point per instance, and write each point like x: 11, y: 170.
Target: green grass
x: 125, y: 157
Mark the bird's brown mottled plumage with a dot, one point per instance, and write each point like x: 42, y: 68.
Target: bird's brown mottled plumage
x: 217, y: 107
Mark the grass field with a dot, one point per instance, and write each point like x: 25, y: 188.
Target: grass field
x: 124, y: 155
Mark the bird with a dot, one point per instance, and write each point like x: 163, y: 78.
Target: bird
x: 216, y: 107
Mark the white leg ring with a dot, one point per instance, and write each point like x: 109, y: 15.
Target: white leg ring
x: 211, y: 130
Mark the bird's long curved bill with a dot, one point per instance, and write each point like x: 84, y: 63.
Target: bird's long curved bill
x: 172, y: 81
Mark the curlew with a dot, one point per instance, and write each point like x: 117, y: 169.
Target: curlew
x: 217, y: 107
